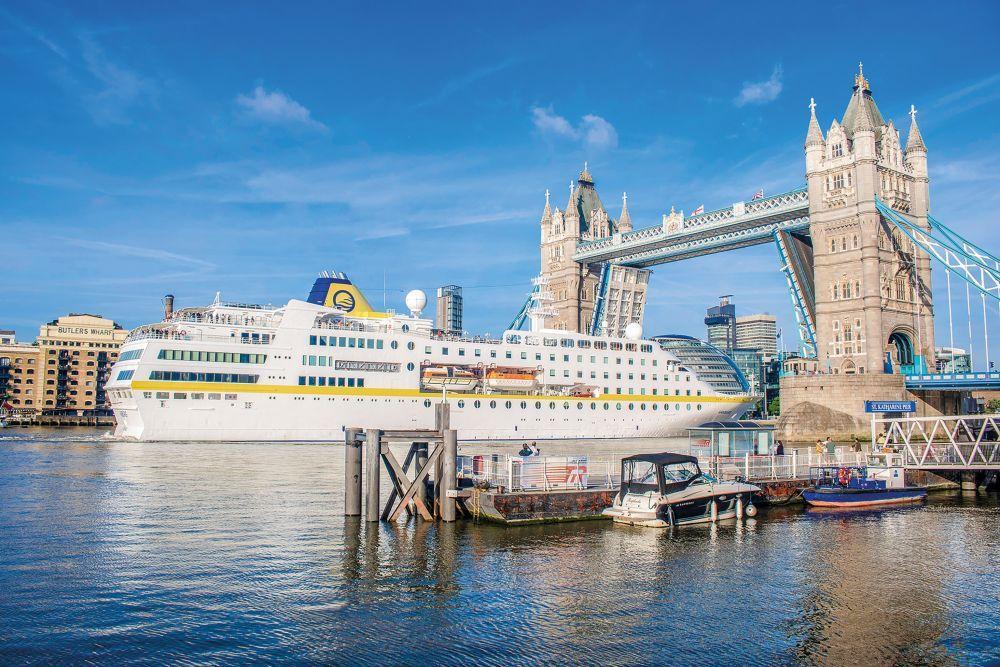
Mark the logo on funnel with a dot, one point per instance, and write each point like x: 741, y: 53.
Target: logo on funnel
x: 344, y: 300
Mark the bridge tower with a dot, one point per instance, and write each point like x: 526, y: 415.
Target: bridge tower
x: 575, y: 286
x: 873, y: 301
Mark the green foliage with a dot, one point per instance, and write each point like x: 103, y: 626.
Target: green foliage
x: 993, y: 405
x: 774, y: 407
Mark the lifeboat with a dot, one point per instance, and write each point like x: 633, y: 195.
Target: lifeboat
x: 511, y: 379
x: 449, y: 378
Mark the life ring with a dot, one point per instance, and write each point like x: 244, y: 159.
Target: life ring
x: 183, y: 332
x: 843, y: 476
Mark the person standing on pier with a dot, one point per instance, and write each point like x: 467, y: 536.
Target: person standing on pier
x: 779, y: 449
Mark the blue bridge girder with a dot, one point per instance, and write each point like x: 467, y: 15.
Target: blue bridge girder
x: 742, y: 225
x: 953, y: 381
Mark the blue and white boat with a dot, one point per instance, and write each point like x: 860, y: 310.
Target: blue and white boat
x: 851, y: 486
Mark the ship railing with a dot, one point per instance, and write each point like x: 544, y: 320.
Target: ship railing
x: 540, y: 473
x: 795, y: 465
x: 193, y: 335
x: 225, y: 320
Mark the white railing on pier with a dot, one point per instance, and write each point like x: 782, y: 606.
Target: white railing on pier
x: 785, y: 466
x: 541, y: 473
x: 963, y: 441
x: 563, y: 473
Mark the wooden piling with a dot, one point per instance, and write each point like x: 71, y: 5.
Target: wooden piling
x: 420, y: 458
x: 373, y: 445
x: 449, y: 473
x: 352, y: 473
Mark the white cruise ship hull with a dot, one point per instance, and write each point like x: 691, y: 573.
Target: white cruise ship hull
x: 307, y: 372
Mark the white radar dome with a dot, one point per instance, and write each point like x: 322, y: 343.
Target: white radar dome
x: 415, y: 301
x: 633, y: 331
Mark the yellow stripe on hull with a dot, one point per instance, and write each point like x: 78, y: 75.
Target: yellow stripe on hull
x: 147, y: 385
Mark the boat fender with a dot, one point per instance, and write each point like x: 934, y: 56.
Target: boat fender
x: 670, y: 515
x: 843, y: 476
x: 751, y: 510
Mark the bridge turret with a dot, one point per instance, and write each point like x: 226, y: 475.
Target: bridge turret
x: 624, y: 220
x: 916, y: 151
x: 546, y: 221
x: 815, y: 145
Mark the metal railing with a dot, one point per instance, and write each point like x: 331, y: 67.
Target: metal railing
x: 541, y: 473
x: 786, y: 466
x: 964, y: 441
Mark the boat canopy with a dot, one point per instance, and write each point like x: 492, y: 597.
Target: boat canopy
x: 662, y: 458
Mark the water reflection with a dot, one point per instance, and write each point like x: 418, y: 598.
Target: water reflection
x: 232, y: 553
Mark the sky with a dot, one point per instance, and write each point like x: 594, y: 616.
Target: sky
x: 190, y: 148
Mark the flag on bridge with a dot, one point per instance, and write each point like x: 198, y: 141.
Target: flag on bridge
x: 758, y: 195
x: 699, y: 210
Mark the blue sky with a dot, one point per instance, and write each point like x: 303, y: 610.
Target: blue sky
x: 192, y: 147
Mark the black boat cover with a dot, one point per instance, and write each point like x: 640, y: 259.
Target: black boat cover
x: 663, y: 458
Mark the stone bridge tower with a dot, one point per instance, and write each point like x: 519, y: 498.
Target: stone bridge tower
x: 573, y: 286
x: 874, y: 308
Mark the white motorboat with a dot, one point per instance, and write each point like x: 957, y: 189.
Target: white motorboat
x: 662, y: 490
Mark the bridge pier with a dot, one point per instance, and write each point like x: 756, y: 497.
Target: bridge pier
x: 969, y: 481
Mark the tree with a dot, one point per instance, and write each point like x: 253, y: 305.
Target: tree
x: 993, y: 405
x: 774, y: 407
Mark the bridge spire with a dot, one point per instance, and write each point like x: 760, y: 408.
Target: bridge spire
x: 814, y: 137
x: 914, y: 141
x: 547, y: 212
x: 571, y: 208
x: 625, y: 220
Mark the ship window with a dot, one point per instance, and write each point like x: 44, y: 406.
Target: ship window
x: 461, y: 352
x: 427, y: 349
x: 538, y: 405
x: 394, y: 345
x: 427, y: 403
x: 493, y: 404
x: 618, y: 406
x: 312, y: 380
x: 631, y: 406
x: 508, y: 354
x: 579, y: 406
x: 147, y: 394
x: 197, y: 397
x: 302, y: 379
x: 444, y: 350
x: 524, y: 404
x: 180, y: 396
x: 230, y: 397
x: 322, y: 381
x: 688, y: 406
x: 350, y: 382
x: 524, y: 355
x: 341, y: 341
x: 322, y: 340
x: 409, y: 366
x: 378, y: 344
x: 552, y: 405
x: 350, y: 342
x: 125, y: 375
x: 341, y: 382
x: 361, y: 382
x: 607, y: 405
x: 214, y: 397
x: 476, y: 404
x: 507, y: 405
x: 477, y: 352
x: 654, y: 404
x: 162, y: 395
x: 370, y: 343
x: 567, y: 342
x: 312, y: 339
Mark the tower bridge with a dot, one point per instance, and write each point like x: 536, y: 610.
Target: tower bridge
x: 856, y: 245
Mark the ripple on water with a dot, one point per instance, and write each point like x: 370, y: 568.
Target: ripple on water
x: 227, y: 553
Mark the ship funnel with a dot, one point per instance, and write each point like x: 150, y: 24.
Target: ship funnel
x: 168, y: 306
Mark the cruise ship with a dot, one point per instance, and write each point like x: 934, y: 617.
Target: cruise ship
x: 310, y: 369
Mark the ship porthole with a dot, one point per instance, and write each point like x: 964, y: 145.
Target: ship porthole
x: 409, y: 346
x: 427, y: 402
x: 477, y: 404
x: 461, y: 404
x: 409, y: 366
x: 493, y: 404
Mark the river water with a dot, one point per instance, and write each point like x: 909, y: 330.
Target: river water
x: 230, y: 553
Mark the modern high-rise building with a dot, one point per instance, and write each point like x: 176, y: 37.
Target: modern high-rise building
x: 721, y: 323
x: 449, y: 308
x: 757, y: 332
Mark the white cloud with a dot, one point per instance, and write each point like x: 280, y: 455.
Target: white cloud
x: 276, y: 108
x: 121, y: 88
x: 593, y: 131
x: 760, y: 92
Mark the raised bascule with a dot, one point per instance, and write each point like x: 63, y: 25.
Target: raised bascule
x: 856, y: 245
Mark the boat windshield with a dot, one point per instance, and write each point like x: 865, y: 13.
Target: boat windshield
x: 679, y: 472
x: 639, y: 477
